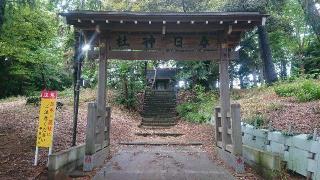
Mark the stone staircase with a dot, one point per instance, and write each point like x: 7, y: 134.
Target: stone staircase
x: 159, y: 108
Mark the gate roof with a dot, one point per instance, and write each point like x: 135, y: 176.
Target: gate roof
x: 223, y: 27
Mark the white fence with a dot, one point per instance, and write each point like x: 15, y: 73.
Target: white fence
x: 300, y: 152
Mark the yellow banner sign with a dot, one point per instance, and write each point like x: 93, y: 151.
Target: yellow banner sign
x: 46, y: 118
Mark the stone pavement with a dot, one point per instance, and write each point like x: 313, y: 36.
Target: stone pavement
x: 161, y: 163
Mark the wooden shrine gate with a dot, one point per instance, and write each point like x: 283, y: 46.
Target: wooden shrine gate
x: 165, y: 36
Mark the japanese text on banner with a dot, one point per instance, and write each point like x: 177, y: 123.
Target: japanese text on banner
x: 46, y: 118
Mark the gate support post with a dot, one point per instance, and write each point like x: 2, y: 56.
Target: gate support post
x: 228, y: 124
x: 101, y: 96
x: 224, y: 94
x: 97, y: 137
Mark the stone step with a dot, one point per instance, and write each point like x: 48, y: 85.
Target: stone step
x: 159, y: 114
x: 160, y: 103
x: 160, y: 99
x: 154, y: 95
x: 159, y: 92
x: 171, y: 105
x: 156, y: 107
x: 158, y: 96
x: 159, y: 119
x: 157, y: 124
x: 151, y: 111
x: 160, y: 108
x: 162, y: 95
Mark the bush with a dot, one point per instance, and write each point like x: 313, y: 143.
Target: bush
x: 276, y: 107
x: 33, y: 100
x: 256, y: 120
x: 200, y: 108
x: 303, y: 90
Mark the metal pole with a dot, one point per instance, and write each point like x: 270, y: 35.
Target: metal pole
x: 78, y: 59
x: 36, y: 156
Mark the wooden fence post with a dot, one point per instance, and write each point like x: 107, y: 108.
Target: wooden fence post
x: 90, y: 131
x: 236, y: 130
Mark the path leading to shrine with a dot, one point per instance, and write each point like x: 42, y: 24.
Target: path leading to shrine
x: 17, y: 150
x: 162, y: 162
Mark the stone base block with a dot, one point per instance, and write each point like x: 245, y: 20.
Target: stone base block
x: 265, y: 163
x: 65, y: 161
x: 95, y: 160
x: 235, y: 162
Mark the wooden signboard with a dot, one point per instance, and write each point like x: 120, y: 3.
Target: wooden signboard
x: 156, y: 46
x: 46, y: 121
x: 160, y: 47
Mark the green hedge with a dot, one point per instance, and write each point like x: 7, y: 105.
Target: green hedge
x: 303, y: 90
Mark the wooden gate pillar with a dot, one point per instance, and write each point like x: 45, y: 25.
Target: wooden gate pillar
x: 98, y: 122
x: 224, y: 95
x: 101, y: 96
x: 228, y: 134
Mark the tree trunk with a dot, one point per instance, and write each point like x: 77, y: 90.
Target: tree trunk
x: 254, y: 75
x: 283, y: 68
x: 312, y: 14
x: 2, y: 9
x: 44, y: 85
x: 261, y: 80
x: 265, y: 51
x: 241, y: 82
x: 214, y: 84
x: 125, y: 87
x: 145, y: 68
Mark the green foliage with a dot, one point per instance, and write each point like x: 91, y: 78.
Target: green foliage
x: 204, y: 73
x: 288, y: 133
x: 276, y: 107
x: 128, y: 79
x: 256, y: 120
x: 35, y: 47
x: 33, y: 100
x: 200, y: 109
x: 303, y: 90
x: 31, y: 52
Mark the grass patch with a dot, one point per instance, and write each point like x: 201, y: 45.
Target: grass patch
x: 200, y: 108
x: 12, y: 98
x: 275, y: 107
x: 303, y: 90
x: 256, y: 120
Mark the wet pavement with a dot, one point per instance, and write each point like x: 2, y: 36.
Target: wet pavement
x: 162, y: 163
